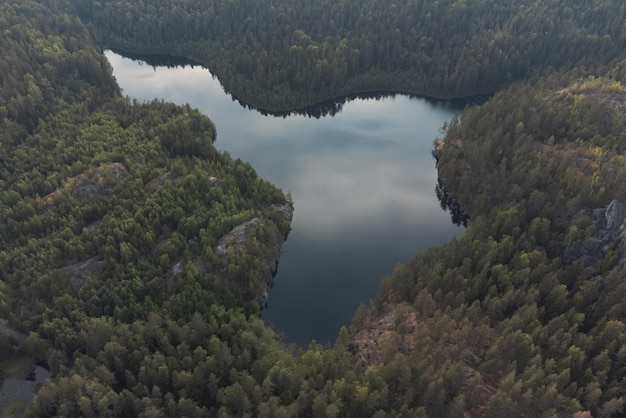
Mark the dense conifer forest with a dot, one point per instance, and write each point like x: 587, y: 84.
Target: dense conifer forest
x: 135, y: 257
x: 281, y: 55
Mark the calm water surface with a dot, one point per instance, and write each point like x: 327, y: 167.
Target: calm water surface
x: 362, y: 181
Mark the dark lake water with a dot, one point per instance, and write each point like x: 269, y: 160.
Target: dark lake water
x: 363, y: 182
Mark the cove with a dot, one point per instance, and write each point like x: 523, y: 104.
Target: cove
x: 363, y: 182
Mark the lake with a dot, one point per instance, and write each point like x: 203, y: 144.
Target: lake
x: 363, y: 183
x: 21, y: 377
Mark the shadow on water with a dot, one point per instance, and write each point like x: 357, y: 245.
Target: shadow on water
x: 334, y: 106
x: 329, y: 107
x: 159, y: 60
x: 362, y: 180
x: 448, y: 204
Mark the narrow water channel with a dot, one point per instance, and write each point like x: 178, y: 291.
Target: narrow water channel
x: 363, y: 182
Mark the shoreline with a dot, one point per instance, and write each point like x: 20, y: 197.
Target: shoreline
x: 323, y: 107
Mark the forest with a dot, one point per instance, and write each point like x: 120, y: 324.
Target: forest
x: 119, y: 269
x: 282, y: 55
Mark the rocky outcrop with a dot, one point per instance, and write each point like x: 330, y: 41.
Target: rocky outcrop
x: 368, y: 344
x: 261, y: 240
x: 98, y: 181
x: 608, y: 229
x: 284, y: 212
x: 168, y: 176
x: 79, y: 272
x: 95, y: 182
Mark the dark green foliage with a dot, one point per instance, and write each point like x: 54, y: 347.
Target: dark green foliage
x: 524, y: 168
x: 279, y: 55
x: 112, y: 212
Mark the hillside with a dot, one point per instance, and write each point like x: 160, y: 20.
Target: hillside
x: 116, y: 213
x: 523, y: 315
x: 277, y: 55
x: 136, y: 257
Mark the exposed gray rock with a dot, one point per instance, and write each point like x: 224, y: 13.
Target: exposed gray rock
x: 237, y: 238
x: 118, y: 170
x: 284, y: 211
x: 609, y: 227
x: 262, y: 241
x: 614, y: 215
x: 98, y: 181
x: 153, y: 184
x: 79, y: 272
x: 176, y: 269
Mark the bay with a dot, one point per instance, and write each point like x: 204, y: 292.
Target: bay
x: 363, y: 182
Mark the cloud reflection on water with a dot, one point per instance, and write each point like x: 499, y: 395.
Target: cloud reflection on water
x: 363, y: 184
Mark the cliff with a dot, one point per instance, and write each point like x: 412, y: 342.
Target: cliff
x: 605, y: 232
x: 262, y: 240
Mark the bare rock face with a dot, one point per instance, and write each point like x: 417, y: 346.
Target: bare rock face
x: 80, y: 272
x: 94, y: 182
x: 367, y: 345
x: 614, y: 215
x: 238, y: 238
x: 285, y: 212
x: 98, y: 181
x: 609, y: 227
x: 259, y: 240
